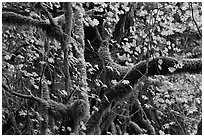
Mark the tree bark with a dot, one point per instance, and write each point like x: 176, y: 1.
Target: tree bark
x: 65, y: 45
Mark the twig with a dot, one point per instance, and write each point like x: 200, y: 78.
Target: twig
x: 6, y: 80
x: 191, y: 5
x: 12, y: 116
x: 52, y: 22
x: 21, y: 95
x: 176, y: 120
x: 98, y: 34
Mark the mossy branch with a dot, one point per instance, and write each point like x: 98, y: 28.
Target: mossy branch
x: 14, y: 18
x: 65, y: 45
x: 105, y: 56
x: 163, y: 66
x: 52, y: 30
x: 157, y: 66
x: 78, y: 34
x: 77, y: 111
x: 167, y: 66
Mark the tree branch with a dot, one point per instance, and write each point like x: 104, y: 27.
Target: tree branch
x: 65, y: 45
x: 178, y: 66
x: 21, y: 95
x: 52, y: 30
x: 194, y: 20
x: 52, y: 22
x: 107, y: 59
x: 122, y: 89
x: 14, y: 18
x: 98, y: 34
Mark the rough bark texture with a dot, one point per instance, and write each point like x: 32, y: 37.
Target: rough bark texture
x: 14, y: 18
x: 68, y: 28
x: 78, y: 32
x: 107, y: 59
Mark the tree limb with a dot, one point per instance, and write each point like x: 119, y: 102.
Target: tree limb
x: 21, y: 95
x: 194, y: 20
x: 122, y: 89
x: 65, y: 45
x: 14, y: 18
x: 52, y: 22
x: 52, y: 30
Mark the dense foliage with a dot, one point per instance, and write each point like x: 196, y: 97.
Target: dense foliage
x: 101, y: 68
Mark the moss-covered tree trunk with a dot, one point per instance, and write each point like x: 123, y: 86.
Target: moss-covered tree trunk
x: 77, y: 112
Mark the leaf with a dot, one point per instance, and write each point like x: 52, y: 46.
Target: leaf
x: 56, y: 127
x: 51, y: 60
x: 34, y: 74
x: 22, y: 113
x: 36, y: 86
x: 49, y: 82
x: 114, y: 82
x: 171, y: 69
x: 110, y: 68
x: 179, y: 100
x: 63, y: 92
x: 20, y: 66
x: 144, y: 97
x: 69, y: 129
x: 95, y: 108
x: 143, y: 13
x: 161, y: 132
x: 125, y: 82
x: 166, y: 126
x: 159, y: 66
x: 106, y: 98
x: 168, y: 42
x: 42, y: 62
x: 83, y: 126
x: 7, y: 57
x: 160, y: 61
x: 127, y: 9
x: 96, y: 66
x: 95, y: 22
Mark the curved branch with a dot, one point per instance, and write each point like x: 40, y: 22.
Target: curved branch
x: 122, y: 89
x: 168, y: 66
x: 107, y: 59
x: 199, y: 128
x: 156, y: 66
x: 52, y: 30
x: 52, y: 22
x: 135, y: 128
x: 194, y: 20
x: 77, y: 110
x: 39, y: 100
